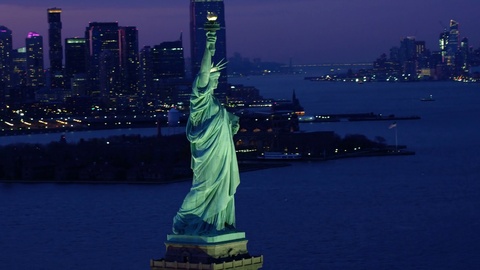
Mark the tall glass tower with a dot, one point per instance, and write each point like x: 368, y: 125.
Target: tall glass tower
x: 129, y: 59
x: 55, y: 51
x: 75, y: 58
x: 198, y: 17
x: 19, y: 66
x: 449, y: 44
x: 102, y: 43
x: 453, y: 39
x: 6, y: 65
x: 443, y: 43
x: 35, y: 74
x: 168, y: 61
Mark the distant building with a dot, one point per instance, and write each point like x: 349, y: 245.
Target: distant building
x: 449, y: 44
x: 463, y: 59
x: 408, y: 53
x: 102, y: 42
x: 168, y: 60
x: 112, y: 60
x: 252, y: 121
x: 168, y: 70
x: 453, y: 39
x: 245, y: 94
x: 422, y: 56
x: 442, y: 44
x: 35, y: 72
x: 19, y: 62
x: 128, y: 60
x: 75, y: 59
x: 79, y: 84
x: 55, y: 51
x: 198, y: 16
x: 145, y: 83
x: 6, y: 63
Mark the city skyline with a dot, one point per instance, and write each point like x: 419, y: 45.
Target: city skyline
x: 305, y: 31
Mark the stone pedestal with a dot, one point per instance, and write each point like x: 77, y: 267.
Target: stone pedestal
x: 228, y: 251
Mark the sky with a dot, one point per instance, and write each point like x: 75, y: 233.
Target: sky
x: 303, y: 31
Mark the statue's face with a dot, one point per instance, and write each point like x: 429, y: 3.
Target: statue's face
x: 215, y: 83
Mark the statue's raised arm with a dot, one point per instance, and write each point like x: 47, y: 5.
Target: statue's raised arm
x: 209, y: 208
x: 206, y: 64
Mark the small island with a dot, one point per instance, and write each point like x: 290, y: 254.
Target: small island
x: 166, y: 159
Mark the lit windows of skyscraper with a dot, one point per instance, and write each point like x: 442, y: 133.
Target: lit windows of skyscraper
x: 129, y: 59
x: 55, y: 47
x: 168, y: 60
x: 6, y: 65
x: 168, y: 70
x: 422, y: 55
x: 442, y: 43
x: 145, y: 73
x: 463, y: 58
x: 420, y: 47
x: 198, y: 17
x: 112, y: 60
x: 102, y: 41
x: 449, y: 43
x: 453, y: 38
x: 75, y: 58
x: 19, y: 61
x: 35, y: 72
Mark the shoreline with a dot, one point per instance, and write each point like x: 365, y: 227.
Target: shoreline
x: 269, y: 165
x: 244, y: 166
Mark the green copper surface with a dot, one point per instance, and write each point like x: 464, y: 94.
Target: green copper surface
x: 179, y: 238
x: 209, y: 208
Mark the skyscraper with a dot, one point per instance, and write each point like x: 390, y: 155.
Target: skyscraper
x: 168, y: 60
x: 19, y: 61
x: 145, y: 83
x: 449, y: 44
x: 75, y: 58
x: 129, y: 59
x: 102, y: 41
x: 6, y: 65
x: 443, y: 43
x: 55, y: 47
x: 35, y: 73
x: 198, y: 17
x: 463, y: 58
x: 168, y: 70
x: 453, y: 39
x: 422, y: 55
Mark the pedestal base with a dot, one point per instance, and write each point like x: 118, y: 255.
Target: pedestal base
x: 228, y: 251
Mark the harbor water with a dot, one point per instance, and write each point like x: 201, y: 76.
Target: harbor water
x: 398, y: 212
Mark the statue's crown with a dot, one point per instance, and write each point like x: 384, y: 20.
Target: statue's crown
x: 219, y: 66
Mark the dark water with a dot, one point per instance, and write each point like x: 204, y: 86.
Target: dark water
x: 409, y: 212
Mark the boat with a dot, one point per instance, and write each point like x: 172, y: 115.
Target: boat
x: 280, y: 156
x: 429, y: 98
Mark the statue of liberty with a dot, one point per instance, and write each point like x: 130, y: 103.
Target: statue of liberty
x: 209, y: 208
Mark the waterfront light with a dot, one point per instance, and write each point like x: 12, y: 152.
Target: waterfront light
x: 26, y: 123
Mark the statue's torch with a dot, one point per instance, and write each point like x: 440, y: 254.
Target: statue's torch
x: 211, y: 26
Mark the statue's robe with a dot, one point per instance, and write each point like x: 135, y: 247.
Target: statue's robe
x: 209, y: 208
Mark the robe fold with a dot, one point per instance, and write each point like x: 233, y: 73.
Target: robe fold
x: 209, y: 208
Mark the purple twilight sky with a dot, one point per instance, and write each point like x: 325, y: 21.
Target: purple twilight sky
x: 307, y: 31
